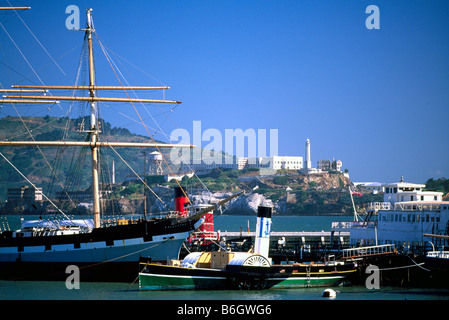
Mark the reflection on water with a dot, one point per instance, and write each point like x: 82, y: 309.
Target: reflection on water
x: 43, y: 290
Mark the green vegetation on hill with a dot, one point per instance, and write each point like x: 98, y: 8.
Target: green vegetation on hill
x: 441, y: 185
x: 71, y: 165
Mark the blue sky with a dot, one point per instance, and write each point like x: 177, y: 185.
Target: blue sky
x: 376, y: 99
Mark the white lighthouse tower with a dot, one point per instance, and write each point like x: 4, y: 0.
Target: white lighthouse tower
x: 308, y: 161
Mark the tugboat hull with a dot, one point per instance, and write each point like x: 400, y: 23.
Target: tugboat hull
x: 163, y: 277
x: 289, y: 276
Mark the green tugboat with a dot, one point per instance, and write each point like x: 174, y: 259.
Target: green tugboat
x: 241, y: 270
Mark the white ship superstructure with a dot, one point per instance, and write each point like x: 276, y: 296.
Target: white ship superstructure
x: 409, y: 218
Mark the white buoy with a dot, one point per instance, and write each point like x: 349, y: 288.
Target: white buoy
x: 329, y: 293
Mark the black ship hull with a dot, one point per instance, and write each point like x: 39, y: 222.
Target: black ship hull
x: 104, y: 254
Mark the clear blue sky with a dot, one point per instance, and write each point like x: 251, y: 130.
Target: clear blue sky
x: 376, y: 99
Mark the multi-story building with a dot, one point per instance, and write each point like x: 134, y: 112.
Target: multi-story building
x: 25, y: 193
x: 328, y: 165
x: 240, y: 163
x: 282, y: 162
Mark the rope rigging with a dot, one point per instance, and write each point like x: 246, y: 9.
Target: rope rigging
x: 112, y: 64
x: 74, y: 178
x: 137, y: 112
x: 23, y: 176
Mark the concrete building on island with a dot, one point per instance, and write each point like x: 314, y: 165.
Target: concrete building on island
x: 240, y: 163
x: 266, y: 164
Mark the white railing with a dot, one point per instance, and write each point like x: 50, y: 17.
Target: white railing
x: 341, y: 224
x: 417, y: 207
x: 353, y: 224
x: 379, y: 206
x: 366, y: 251
x: 438, y: 254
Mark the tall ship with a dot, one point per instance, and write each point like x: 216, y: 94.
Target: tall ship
x: 101, y: 249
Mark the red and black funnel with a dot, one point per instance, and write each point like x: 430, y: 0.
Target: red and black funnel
x: 180, y: 201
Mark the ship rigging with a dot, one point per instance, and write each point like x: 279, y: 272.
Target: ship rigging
x: 103, y: 252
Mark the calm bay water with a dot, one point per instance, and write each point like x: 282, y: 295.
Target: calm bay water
x: 49, y: 290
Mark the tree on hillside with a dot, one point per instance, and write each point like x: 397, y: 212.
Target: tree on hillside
x: 441, y: 185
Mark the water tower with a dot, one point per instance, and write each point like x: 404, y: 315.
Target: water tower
x: 156, y: 163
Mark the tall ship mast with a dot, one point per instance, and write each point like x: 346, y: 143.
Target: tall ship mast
x: 43, y: 250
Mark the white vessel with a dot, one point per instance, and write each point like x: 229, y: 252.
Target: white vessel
x: 409, y: 218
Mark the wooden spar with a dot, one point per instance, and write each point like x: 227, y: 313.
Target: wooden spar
x: 95, y: 99
x: 26, y: 101
x: 95, y: 87
x: 93, y: 124
x: 440, y: 236
x: 90, y: 144
x: 15, y: 8
x: 23, y: 90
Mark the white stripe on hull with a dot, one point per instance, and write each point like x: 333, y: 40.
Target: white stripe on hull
x: 160, y: 248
